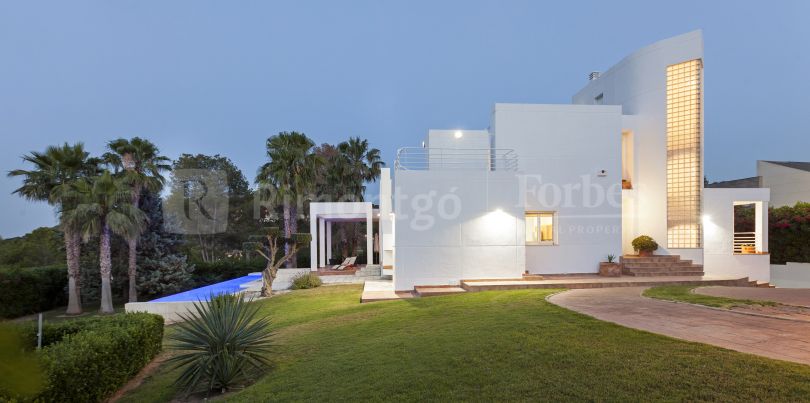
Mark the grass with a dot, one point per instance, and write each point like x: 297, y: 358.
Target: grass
x: 683, y: 293
x: 510, y: 345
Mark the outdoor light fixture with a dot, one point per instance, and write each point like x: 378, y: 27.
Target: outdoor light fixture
x: 458, y: 134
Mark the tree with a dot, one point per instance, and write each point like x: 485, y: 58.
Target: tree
x: 346, y: 170
x: 163, y: 270
x: 364, y: 164
x: 55, y: 171
x: 223, y: 181
x: 269, y: 250
x: 141, y: 168
x: 41, y: 247
x: 289, y: 177
x: 104, y: 207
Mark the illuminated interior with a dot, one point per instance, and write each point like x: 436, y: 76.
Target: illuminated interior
x: 539, y: 228
x: 684, y: 137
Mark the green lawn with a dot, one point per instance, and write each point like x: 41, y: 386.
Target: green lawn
x: 486, y: 346
x: 683, y: 293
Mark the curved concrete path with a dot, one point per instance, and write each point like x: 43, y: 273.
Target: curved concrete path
x: 787, y: 296
x: 775, y: 338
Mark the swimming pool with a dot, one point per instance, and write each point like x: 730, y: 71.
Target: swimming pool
x: 204, y: 293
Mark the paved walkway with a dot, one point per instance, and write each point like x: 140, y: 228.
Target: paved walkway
x: 381, y: 290
x: 775, y: 338
x: 787, y: 296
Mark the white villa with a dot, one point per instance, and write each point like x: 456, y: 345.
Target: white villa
x: 554, y: 189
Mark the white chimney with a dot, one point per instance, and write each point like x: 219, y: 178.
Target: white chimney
x: 594, y: 75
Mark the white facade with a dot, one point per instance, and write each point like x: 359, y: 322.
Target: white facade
x: 788, y: 184
x: 552, y: 189
x: 570, y: 165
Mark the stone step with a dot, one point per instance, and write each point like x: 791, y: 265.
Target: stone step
x: 662, y: 269
x: 670, y: 273
x: 681, y: 263
x: 475, y: 286
x: 654, y: 258
x: 530, y: 277
x: 433, y: 291
x: 374, y: 271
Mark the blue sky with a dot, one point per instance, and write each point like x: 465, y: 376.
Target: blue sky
x: 220, y: 77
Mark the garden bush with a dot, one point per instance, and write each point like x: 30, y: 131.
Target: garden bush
x: 644, y: 243
x: 305, y: 281
x: 31, y: 290
x: 88, y: 359
x: 226, y: 269
x: 789, y: 234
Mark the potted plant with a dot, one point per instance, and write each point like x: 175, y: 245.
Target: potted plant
x: 610, y: 268
x: 645, y: 245
x: 748, y: 248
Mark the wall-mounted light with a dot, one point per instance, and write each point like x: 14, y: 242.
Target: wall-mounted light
x: 458, y: 134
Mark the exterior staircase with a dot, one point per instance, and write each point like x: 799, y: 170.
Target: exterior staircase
x: 654, y: 266
x: 370, y: 270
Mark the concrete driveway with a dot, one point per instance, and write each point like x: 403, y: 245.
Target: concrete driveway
x: 768, y: 337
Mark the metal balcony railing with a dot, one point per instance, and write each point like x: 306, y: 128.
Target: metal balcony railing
x: 423, y: 159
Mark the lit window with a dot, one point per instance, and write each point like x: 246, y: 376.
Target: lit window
x: 540, y: 228
x: 684, y: 165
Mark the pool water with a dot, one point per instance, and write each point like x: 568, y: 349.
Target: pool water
x: 204, y: 293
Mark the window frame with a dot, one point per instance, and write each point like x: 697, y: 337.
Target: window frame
x: 554, y: 225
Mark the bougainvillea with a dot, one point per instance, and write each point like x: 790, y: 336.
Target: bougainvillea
x: 789, y: 233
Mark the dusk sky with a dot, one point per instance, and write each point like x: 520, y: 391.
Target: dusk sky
x: 220, y: 77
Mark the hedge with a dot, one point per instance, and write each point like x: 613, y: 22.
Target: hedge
x: 214, y: 272
x: 31, y: 290
x: 789, y: 234
x: 89, y: 359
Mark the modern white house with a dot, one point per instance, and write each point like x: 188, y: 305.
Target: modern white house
x: 554, y: 189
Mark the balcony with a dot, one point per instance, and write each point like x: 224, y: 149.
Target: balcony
x: 447, y: 159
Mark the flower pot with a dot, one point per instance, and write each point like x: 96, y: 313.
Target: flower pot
x: 645, y: 253
x: 612, y: 269
x: 748, y: 250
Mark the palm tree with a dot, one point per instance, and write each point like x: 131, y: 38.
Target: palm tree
x: 104, y: 208
x: 141, y: 167
x: 55, y: 170
x: 364, y: 164
x: 358, y: 164
x: 289, y: 176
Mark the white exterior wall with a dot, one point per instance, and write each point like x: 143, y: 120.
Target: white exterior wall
x: 386, y: 227
x: 638, y: 84
x: 788, y: 185
x: 453, y: 225
x: 561, y: 151
x: 718, y: 226
x: 790, y: 275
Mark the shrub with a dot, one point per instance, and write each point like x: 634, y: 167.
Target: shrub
x: 88, y: 359
x: 645, y: 243
x: 305, y: 281
x: 789, y: 234
x: 226, y: 269
x: 219, y: 343
x: 31, y: 290
x: 165, y: 275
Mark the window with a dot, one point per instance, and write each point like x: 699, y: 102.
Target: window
x: 599, y: 99
x: 627, y: 160
x: 540, y: 228
x: 684, y: 165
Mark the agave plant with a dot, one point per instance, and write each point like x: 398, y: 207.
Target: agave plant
x: 220, y: 344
